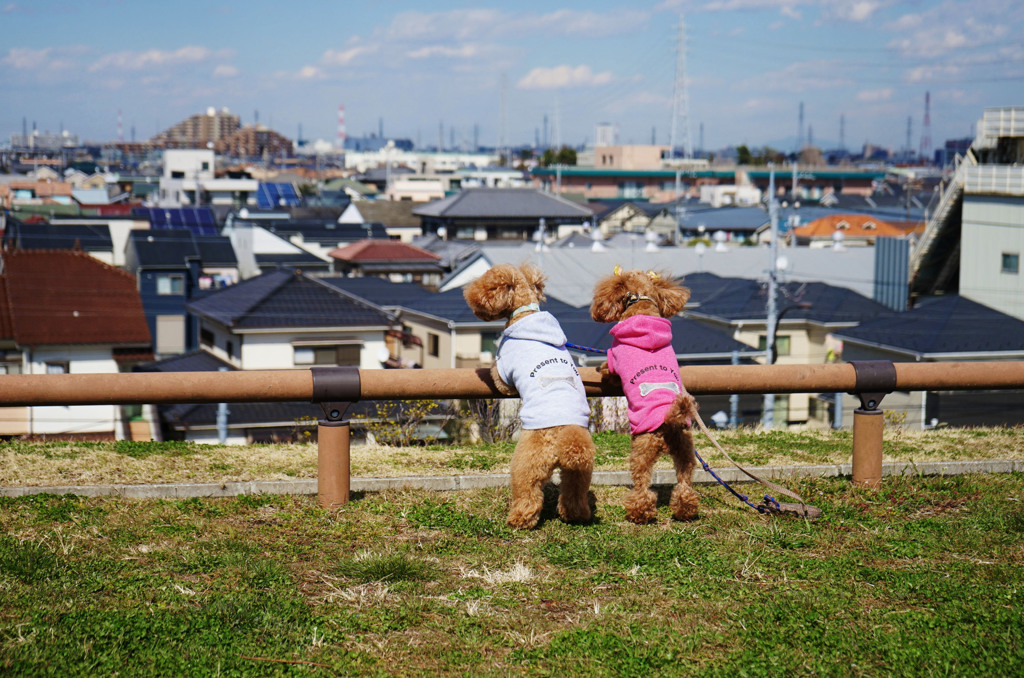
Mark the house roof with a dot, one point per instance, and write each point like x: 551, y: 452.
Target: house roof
x: 943, y: 325
x: 326, y: 232
x: 28, y: 235
x: 298, y: 259
x: 167, y: 248
x: 390, y: 212
x: 850, y: 225
x: 58, y: 297
x: 497, y: 203
x: 691, y: 340
x: 737, y: 299
x: 379, y: 291
x: 284, y: 299
x: 383, y: 250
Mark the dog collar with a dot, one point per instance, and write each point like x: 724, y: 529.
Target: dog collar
x: 633, y: 298
x: 525, y: 309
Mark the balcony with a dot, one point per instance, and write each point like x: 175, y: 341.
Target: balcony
x: 995, y: 180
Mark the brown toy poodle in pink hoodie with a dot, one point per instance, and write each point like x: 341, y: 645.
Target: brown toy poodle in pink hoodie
x: 660, y: 409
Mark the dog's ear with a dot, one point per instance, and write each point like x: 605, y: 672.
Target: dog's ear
x: 608, y: 295
x: 490, y: 296
x: 672, y: 297
x: 536, y: 279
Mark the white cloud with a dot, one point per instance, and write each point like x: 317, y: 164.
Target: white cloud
x: 225, y: 71
x: 873, y: 95
x: 856, y: 11
x: 563, y: 76
x: 25, y: 58
x: 344, y: 57
x: 463, y: 25
x: 463, y: 52
x: 311, y: 73
x: 135, y: 61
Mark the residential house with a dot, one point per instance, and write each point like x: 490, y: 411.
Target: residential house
x: 847, y: 230
x: 944, y: 328
x: 287, y: 319
x: 173, y: 266
x: 500, y: 214
x: 808, y: 312
x: 391, y: 259
x: 63, y: 311
x: 573, y: 271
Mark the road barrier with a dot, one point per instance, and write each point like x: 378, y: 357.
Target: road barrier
x: 335, y: 388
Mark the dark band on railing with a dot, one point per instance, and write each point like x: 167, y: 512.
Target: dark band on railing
x: 335, y: 389
x: 874, y: 379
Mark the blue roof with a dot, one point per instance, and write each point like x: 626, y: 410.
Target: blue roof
x: 380, y: 291
x: 271, y: 196
x: 288, y: 299
x: 733, y: 299
x: 175, y: 246
x: 199, y: 220
x: 942, y: 325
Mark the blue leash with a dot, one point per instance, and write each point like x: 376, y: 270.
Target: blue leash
x: 585, y: 348
x: 768, y: 505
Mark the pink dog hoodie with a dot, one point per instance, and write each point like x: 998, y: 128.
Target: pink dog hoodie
x: 642, y: 356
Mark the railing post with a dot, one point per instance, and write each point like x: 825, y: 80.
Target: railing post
x: 874, y: 379
x: 335, y: 389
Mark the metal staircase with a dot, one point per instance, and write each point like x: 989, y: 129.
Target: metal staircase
x: 940, y: 242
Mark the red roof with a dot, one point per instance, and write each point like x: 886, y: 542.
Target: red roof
x: 382, y: 250
x: 852, y: 226
x: 68, y: 297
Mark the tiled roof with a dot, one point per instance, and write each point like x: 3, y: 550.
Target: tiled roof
x: 68, y: 297
x: 44, y: 236
x: 492, y: 203
x: 942, y: 325
x: 735, y: 299
x: 172, y: 247
x: 285, y: 299
x: 383, y: 250
x: 851, y: 225
x: 379, y: 291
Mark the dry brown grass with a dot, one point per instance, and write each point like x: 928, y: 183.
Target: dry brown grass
x: 63, y: 464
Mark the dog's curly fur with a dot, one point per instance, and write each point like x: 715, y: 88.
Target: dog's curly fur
x: 538, y: 452
x: 611, y: 304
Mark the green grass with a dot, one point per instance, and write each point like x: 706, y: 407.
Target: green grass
x: 923, y: 577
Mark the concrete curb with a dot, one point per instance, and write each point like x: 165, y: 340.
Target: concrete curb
x: 475, y: 482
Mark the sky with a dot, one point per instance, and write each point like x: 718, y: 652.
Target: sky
x: 492, y: 71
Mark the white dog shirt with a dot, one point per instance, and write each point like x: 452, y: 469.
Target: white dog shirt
x: 532, y: 357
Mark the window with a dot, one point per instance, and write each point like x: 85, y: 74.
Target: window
x: 170, y: 284
x: 206, y: 337
x: 1011, y: 263
x: 782, y: 344
x: 177, y: 174
x: 433, y: 344
x: 170, y: 334
x: 342, y: 354
x: 230, y: 349
x: 631, y: 189
x: 489, y: 342
x: 57, y: 368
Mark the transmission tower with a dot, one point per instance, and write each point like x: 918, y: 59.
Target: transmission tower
x: 842, y: 132
x: 800, y: 129
x: 680, y: 100
x: 926, y: 129
x: 502, y: 140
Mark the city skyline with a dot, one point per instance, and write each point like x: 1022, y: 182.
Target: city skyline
x: 751, y: 66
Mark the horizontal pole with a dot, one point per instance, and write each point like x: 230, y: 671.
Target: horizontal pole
x: 297, y: 385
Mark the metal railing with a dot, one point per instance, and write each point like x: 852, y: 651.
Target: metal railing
x: 336, y: 388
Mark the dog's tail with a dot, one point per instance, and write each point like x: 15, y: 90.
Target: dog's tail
x: 683, y: 410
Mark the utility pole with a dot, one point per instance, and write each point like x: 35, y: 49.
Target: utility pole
x: 768, y: 415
